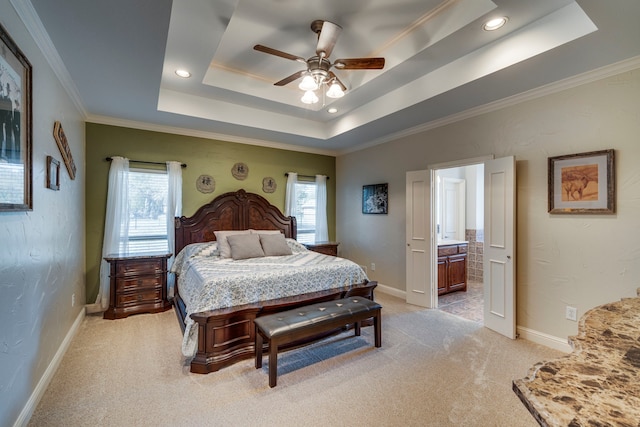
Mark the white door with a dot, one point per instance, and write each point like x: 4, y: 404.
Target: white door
x: 418, y: 239
x: 499, y: 246
x: 454, y: 208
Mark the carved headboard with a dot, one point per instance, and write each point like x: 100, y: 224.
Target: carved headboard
x: 237, y: 210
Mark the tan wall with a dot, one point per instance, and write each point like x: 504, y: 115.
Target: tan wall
x: 42, y: 255
x: 202, y: 156
x: 578, y: 260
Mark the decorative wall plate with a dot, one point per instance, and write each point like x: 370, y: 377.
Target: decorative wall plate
x: 205, y: 184
x: 240, y: 171
x: 269, y: 185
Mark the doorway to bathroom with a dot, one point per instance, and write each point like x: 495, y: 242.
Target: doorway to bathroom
x: 459, y: 213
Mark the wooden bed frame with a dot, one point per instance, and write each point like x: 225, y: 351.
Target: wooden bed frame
x: 227, y: 335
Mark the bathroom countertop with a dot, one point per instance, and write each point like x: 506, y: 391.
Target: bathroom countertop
x: 445, y: 242
x: 598, y: 384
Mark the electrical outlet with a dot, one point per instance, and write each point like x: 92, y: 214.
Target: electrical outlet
x: 73, y: 300
x: 572, y: 313
x: 373, y: 266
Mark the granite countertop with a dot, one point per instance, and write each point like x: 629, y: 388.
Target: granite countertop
x: 598, y: 384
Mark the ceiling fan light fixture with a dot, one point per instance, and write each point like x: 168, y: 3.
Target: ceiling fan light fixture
x: 494, y: 24
x: 309, y: 97
x: 335, y: 91
x: 308, y: 83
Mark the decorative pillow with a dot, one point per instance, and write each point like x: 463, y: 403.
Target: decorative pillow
x: 245, y: 246
x: 265, y: 231
x: 223, y: 245
x: 274, y: 245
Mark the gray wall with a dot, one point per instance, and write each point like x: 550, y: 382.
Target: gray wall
x: 42, y: 255
x: 581, y: 260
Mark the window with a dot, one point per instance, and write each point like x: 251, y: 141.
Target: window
x: 305, y: 211
x: 148, y: 190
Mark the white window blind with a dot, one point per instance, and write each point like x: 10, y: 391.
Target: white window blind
x: 148, y: 191
x: 305, y: 211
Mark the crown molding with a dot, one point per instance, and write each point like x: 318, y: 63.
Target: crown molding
x: 105, y: 120
x: 32, y: 22
x: 551, y: 88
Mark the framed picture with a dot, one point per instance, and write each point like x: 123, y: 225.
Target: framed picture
x: 375, y: 199
x: 582, y: 183
x: 53, y: 173
x: 15, y: 127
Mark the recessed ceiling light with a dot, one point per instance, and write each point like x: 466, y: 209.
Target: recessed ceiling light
x: 332, y: 110
x: 183, y: 73
x: 495, y: 23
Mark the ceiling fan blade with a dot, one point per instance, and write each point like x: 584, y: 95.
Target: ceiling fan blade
x: 285, y: 55
x: 291, y: 78
x: 334, y: 77
x: 327, y: 38
x: 359, y: 64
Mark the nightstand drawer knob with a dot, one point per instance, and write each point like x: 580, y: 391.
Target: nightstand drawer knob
x: 139, y: 297
x: 139, y: 281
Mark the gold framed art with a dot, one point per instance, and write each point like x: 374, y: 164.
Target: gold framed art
x: 582, y: 183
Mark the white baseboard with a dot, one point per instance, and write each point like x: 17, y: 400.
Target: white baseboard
x: 524, y: 333
x: 38, y: 392
x: 544, y: 339
x: 93, y: 308
x: 391, y: 291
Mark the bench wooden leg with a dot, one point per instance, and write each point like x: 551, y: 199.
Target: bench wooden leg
x: 377, y: 329
x: 259, y: 344
x: 273, y: 363
x: 357, y: 326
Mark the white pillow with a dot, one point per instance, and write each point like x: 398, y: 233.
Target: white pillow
x: 265, y: 231
x: 274, y: 245
x: 223, y: 245
x: 245, y: 246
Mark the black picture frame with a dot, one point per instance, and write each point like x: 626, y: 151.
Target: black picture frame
x: 582, y: 183
x: 15, y: 126
x: 53, y: 173
x: 375, y: 199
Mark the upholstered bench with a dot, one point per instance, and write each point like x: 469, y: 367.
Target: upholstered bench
x: 305, y: 322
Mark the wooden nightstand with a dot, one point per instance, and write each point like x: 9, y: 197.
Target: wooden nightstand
x: 327, y: 248
x: 138, y: 284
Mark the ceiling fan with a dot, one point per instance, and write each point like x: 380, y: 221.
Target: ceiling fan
x: 318, y: 67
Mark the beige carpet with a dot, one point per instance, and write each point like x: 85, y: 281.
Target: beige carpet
x: 434, y: 369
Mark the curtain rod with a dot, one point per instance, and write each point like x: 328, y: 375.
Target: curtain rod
x: 147, y: 163
x: 303, y: 176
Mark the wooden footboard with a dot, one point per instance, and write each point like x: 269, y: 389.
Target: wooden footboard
x: 227, y: 336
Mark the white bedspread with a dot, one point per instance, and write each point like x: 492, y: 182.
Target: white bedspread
x: 209, y: 282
